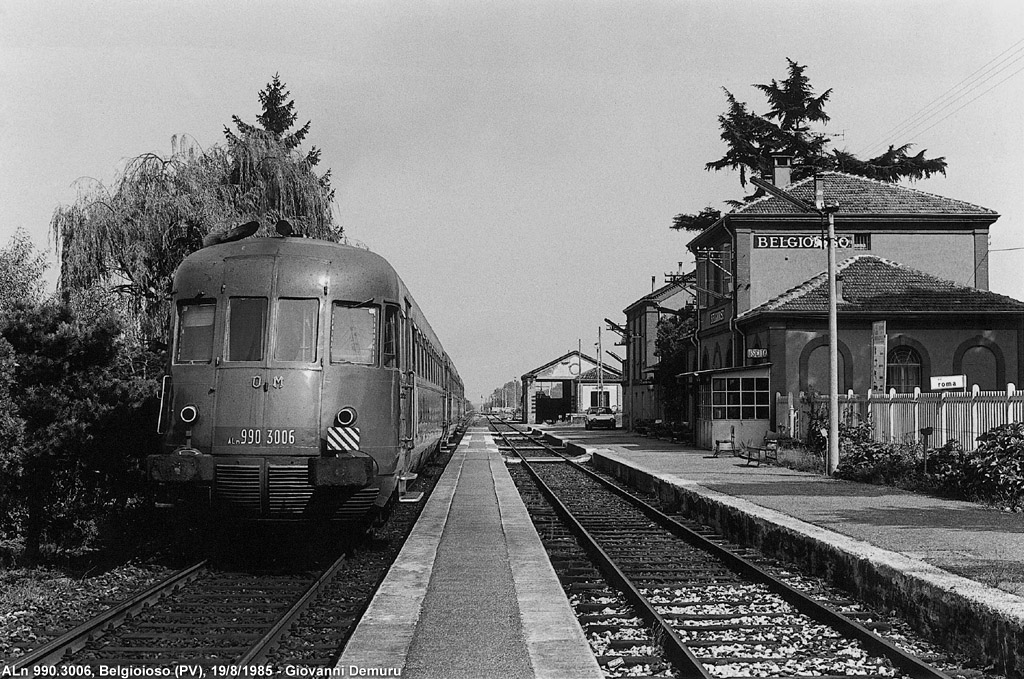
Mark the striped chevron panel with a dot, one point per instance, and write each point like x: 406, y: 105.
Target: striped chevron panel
x: 343, y: 438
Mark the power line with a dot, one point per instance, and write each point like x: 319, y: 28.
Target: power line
x: 972, y: 100
x: 937, y: 102
x: 996, y: 65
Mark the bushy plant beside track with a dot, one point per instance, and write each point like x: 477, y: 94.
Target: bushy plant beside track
x: 79, y: 416
x: 992, y: 474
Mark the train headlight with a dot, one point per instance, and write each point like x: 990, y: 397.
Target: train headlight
x: 189, y: 414
x: 346, y: 417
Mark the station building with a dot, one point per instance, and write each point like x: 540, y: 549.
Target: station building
x: 914, y: 302
x: 569, y: 384
x: 642, y: 397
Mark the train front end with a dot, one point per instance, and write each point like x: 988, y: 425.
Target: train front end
x: 278, y: 405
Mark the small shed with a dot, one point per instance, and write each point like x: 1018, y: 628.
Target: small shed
x: 566, y: 385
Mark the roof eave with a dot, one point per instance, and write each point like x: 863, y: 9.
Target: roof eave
x: 703, y: 235
x: 754, y: 314
x: 988, y: 218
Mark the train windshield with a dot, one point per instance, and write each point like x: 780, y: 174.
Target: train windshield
x: 195, y: 332
x: 247, y: 326
x: 296, y: 334
x: 353, y: 334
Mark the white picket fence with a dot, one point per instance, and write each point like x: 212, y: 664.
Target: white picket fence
x: 900, y: 417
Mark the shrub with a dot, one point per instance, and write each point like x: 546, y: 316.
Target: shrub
x: 945, y: 468
x: 817, y: 423
x: 994, y: 472
x: 79, y: 406
x: 868, y: 461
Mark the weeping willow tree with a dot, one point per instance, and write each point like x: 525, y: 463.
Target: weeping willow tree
x: 128, y: 238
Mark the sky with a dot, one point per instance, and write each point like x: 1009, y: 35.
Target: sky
x: 518, y: 163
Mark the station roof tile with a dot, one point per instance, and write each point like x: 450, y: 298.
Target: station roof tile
x: 860, y: 195
x: 874, y: 284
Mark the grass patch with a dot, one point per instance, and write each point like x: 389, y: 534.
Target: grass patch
x: 800, y: 459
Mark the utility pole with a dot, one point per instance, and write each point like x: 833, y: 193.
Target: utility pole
x: 627, y: 341
x: 827, y: 212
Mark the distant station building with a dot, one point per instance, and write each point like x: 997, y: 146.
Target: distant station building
x: 642, y: 397
x: 569, y: 384
x: 914, y: 302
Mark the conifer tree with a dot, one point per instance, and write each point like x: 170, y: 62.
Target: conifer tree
x: 275, y: 121
x: 752, y: 140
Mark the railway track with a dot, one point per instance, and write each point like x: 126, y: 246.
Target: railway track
x: 199, y: 617
x: 658, y: 598
x: 204, y: 618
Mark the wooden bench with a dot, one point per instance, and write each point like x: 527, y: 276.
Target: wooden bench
x: 768, y: 452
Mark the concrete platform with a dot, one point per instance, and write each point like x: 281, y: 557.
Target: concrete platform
x: 954, y: 569
x: 472, y: 593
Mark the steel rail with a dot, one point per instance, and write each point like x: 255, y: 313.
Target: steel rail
x: 688, y: 665
x: 72, y: 641
x: 258, y: 651
x: 807, y: 605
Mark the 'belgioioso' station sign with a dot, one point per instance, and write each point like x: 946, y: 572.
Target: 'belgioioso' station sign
x: 797, y: 242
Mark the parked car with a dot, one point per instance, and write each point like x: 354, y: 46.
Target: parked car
x: 600, y: 417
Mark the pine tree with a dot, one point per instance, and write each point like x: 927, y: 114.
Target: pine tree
x: 275, y: 121
x: 785, y: 129
x: 752, y: 140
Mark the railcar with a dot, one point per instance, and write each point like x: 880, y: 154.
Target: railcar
x: 304, y: 383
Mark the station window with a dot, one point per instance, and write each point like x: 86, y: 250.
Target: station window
x: 862, y: 241
x: 739, y: 398
x: 903, y: 371
x: 296, y: 332
x: 195, y: 332
x: 353, y: 334
x: 247, y: 326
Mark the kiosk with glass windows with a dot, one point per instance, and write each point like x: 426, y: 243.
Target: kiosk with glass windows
x: 732, y: 403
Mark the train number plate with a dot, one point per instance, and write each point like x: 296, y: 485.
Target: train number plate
x: 263, y: 437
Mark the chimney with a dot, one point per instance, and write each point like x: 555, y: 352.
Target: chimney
x: 839, y: 289
x: 782, y: 171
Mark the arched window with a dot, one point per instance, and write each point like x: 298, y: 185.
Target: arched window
x: 903, y: 370
x: 817, y: 371
x: 979, y: 364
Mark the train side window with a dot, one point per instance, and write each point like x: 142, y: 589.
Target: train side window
x: 389, y: 353
x: 247, y: 326
x: 353, y: 334
x: 296, y: 332
x: 195, y: 331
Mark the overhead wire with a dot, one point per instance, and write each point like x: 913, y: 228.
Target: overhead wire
x: 1006, y: 59
x: 971, y: 101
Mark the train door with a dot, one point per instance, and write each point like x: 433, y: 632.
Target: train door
x: 242, y: 359
x: 268, y: 391
x: 292, y: 410
x: 408, y: 381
